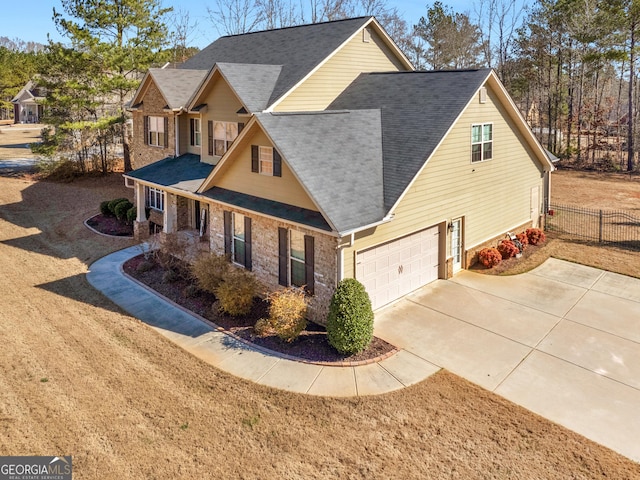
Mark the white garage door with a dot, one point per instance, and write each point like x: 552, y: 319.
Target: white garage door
x: 394, y: 269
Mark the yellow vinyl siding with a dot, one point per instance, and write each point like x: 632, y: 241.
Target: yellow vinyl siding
x: 222, y: 105
x: 492, y: 196
x: 186, y: 134
x: 324, y: 85
x: 237, y: 176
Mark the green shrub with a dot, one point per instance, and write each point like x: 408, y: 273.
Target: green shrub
x: 287, y: 313
x: 209, y: 270
x: 489, y: 257
x: 350, y: 320
x: 104, y: 208
x: 114, y: 202
x: 122, y: 208
x: 236, y: 291
x: 132, y: 214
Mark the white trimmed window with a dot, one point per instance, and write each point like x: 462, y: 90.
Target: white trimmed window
x: 155, y: 129
x: 224, y: 133
x: 481, y: 142
x: 154, y: 198
x: 195, y: 133
x: 297, y: 270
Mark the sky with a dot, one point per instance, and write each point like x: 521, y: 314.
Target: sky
x: 31, y: 20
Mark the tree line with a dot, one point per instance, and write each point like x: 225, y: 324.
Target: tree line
x: 569, y: 65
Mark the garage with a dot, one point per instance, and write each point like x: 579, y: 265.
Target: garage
x: 391, y: 270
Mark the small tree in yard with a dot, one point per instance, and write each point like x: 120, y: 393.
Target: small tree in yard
x: 350, y: 321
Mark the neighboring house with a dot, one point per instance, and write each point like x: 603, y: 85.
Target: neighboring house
x: 26, y: 104
x: 315, y: 153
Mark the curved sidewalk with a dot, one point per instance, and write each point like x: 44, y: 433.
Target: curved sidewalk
x: 238, y: 358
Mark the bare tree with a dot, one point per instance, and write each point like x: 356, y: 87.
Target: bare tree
x: 233, y: 17
x: 182, y: 34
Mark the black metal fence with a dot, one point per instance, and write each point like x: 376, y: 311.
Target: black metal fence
x: 604, y: 226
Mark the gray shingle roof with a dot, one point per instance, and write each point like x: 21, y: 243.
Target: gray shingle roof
x: 177, y: 85
x: 185, y: 172
x: 418, y: 108
x: 269, y: 207
x: 338, y: 158
x: 253, y: 83
x: 298, y: 49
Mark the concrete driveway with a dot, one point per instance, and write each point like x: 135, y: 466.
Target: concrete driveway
x: 562, y: 340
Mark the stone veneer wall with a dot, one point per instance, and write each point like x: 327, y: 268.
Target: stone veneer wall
x: 471, y: 255
x: 141, y: 153
x: 265, y: 261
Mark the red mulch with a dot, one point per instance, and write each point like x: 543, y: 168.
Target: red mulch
x: 311, y: 345
x: 110, y: 226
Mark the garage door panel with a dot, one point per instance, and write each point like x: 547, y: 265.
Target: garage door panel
x: 394, y: 269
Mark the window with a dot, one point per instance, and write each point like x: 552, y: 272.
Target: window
x: 266, y: 161
x: 237, y: 238
x: 154, y: 198
x: 237, y: 246
x: 195, y: 132
x: 155, y: 131
x: 224, y: 133
x: 481, y: 142
x: 296, y: 253
x: 296, y: 256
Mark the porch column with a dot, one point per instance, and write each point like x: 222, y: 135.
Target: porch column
x: 170, y: 212
x: 140, y: 203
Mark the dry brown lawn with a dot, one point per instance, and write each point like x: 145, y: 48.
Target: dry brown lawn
x: 80, y: 377
x: 15, y: 138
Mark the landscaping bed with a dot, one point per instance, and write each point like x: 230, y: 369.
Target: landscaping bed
x: 109, y: 225
x: 310, y: 346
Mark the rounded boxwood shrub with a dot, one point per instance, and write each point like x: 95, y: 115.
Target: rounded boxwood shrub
x: 536, y: 236
x: 114, y: 202
x: 104, y: 208
x: 350, y: 320
x: 508, y: 249
x: 132, y: 214
x: 122, y: 208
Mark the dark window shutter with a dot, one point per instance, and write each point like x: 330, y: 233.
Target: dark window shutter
x: 309, y: 263
x: 146, y: 129
x: 227, y: 232
x: 166, y: 132
x: 277, y: 164
x: 192, y: 133
x: 240, y: 127
x: 247, y: 243
x: 254, y: 159
x: 283, y: 254
x: 210, y: 135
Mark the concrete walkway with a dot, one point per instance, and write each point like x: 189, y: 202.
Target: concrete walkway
x: 562, y: 340
x: 238, y: 358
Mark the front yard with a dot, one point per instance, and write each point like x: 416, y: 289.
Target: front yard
x: 80, y: 377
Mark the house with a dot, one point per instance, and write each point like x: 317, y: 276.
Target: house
x: 315, y: 153
x: 26, y: 106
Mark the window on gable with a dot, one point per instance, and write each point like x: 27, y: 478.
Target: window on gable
x: 155, y: 131
x: 224, y: 133
x: 195, y: 133
x: 154, y: 198
x: 266, y: 161
x: 481, y: 142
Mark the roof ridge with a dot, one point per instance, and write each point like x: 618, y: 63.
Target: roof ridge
x: 297, y: 26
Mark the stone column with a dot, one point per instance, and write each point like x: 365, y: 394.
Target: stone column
x: 141, y: 225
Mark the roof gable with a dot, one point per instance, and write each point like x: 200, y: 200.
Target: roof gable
x: 297, y: 49
x: 337, y: 157
x: 418, y: 109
